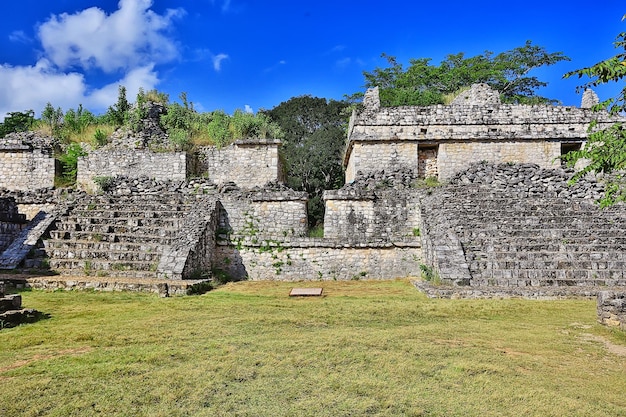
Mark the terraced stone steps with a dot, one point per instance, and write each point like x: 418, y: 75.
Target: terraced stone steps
x: 513, y: 241
x: 117, y: 236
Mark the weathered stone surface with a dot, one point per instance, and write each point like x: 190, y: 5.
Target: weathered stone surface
x: 612, y: 308
x: 26, y: 161
x: 249, y: 163
x: 475, y: 128
x: 477, y: 95
x: 523, y: 226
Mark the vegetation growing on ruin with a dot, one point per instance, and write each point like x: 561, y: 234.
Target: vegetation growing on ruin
x: 365, y: 348
x: 606, y: 148
x: 424, y: 84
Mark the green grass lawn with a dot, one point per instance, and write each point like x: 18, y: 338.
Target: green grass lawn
x: 364, y: 349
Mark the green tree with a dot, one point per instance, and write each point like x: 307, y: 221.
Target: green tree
x: 605, y: 148
x: 423, y: 84
x: 17, y: 122
x: 313, y: 143
x: 52, y: 117
x: 118, y: 113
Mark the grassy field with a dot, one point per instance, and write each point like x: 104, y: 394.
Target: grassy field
x: 364, y: 349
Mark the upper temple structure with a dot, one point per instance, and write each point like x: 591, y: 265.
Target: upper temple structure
x: 438, y: 141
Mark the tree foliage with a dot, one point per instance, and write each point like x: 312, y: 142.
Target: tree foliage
x: 17, y: 122
x: 423, y: 84
x: 313, y: 144
x: 605, y: 149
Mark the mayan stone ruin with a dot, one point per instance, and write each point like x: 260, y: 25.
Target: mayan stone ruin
x: 501, y: 220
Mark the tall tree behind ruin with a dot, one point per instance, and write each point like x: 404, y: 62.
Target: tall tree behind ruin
x: 313, y: 144
x: 424, y: 84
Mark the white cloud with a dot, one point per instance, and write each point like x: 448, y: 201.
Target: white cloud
x: 142, y: 77
x: 217, y: 61
x: 130, y: 37
x: 31, y: 87
x: 19, y: 36
x: 130, y: 41
x: 247, y: 109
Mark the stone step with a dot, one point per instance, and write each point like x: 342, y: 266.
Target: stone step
x: 538, y: 233
x: 562, y: 264
x: 113, y: 213
x: 113, y: 268
x: 124, y: 221
x: 61, y: 235
x: 553, y: 277
x: 546, y: 282
x: 135, y: 274
x: 117, y: 229
x: 108, y: 255
x: 52, y: 245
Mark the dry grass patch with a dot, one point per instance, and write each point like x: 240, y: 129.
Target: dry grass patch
x: 365, y: 348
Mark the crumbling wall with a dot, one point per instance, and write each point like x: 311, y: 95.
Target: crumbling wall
x: 249, y: 163
x: 133, y: 163
x: 612, y: 309
x: 273, y: 214
x: 26, y: 162
x: 372, y: 156
x: 11, y: 222
x: 455, y: 157
x: 366, y: 216
x: 476, y: 127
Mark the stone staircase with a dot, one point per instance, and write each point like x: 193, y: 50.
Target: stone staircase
x: 520, y: 241
x: 118, y: 236
x: 11, y: 222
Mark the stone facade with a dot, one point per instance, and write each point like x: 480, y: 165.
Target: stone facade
x: 476, y: 127
x: 370, y: 216
x: 274, y: 215
x: 317, y: 259
x: 26, y: 164
x: 249, y: 163
x: 131, y: 162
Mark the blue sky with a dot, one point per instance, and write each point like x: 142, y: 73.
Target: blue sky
x: 251, y: 54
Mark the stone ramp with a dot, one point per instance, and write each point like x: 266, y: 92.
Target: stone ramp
x: 513, y: 240
x: 27, y: 240
x: 126, y: 236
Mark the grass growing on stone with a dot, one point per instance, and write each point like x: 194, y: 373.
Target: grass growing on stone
x: 365, y: 348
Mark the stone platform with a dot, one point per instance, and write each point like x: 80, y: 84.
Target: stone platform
x: 162, y: 287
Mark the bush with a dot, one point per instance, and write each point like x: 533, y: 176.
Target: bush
x: 69, y: 162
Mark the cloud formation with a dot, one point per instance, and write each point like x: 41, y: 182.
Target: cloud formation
x: 217, y: 61
x: 128, y: 42
x: 129, y: 37
x: 31, y: 87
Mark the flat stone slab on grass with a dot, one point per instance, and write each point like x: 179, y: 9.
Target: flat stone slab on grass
x: 305, y: 292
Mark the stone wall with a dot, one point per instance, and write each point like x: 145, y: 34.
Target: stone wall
x: 274, y: 214
x: 457, y: 156
x: 25, y: 165
x: 474, y: 128
x: 132, y: 163
x: 366, y: 216
x: 249, y: 163
x: 317, y: 259
x: 193, y: 251
x: 612, y: 309
x: 11, y: 222
x: 372, y: 156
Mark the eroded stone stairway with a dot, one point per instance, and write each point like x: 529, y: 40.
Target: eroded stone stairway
x: 512, y: 241
x: 129, y: 236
